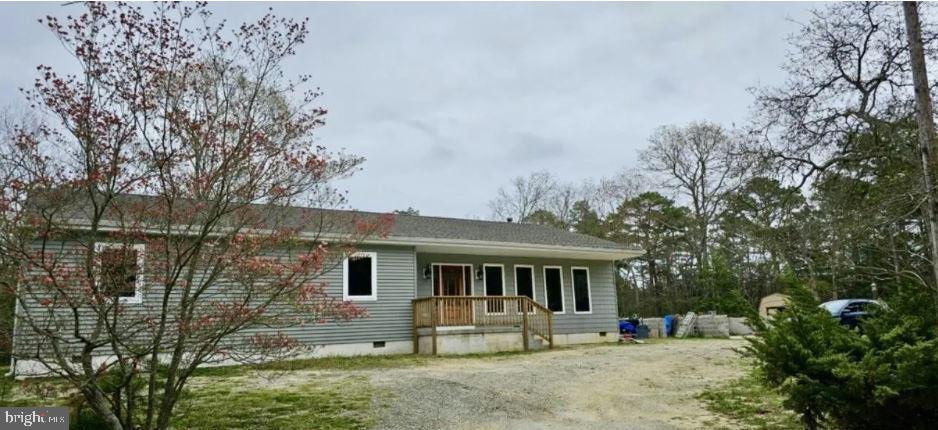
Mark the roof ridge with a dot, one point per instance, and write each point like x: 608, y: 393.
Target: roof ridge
x: 432, y: 226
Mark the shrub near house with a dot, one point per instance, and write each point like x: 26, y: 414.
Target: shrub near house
x: 833, y: 376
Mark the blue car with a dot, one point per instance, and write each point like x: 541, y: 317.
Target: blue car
x: 849, y: 312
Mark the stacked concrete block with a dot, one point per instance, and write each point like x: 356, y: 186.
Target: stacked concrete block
x: 713, y: 325
x: 739, y: 327
x: 655, y: 327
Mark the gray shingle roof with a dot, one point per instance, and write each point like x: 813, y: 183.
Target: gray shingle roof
x: 419, y: 227
x: 495, y: 231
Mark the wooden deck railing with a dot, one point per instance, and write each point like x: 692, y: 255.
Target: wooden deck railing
x: 483, y: 311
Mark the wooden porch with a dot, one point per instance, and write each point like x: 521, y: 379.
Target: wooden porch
x: 482, y: 312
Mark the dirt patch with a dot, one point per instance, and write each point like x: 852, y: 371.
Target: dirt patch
x: 650, y: 386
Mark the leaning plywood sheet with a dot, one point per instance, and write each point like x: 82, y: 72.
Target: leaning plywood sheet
x: 687, y: 324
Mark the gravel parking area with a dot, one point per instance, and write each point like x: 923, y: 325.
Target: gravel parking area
x: 650, y: 386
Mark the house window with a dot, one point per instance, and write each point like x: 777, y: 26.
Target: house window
x: 581, y: 290
x: 360, y: 276
x: 494, y: 286
x: 119, y: 271
x: 524, y: 281
x: 553, y: 288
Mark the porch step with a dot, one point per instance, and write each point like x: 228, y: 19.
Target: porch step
x: 535, y: 342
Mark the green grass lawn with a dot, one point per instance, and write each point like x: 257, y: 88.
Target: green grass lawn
x: 749, y: 403
x: 218, y: 398
x: 321, y: 404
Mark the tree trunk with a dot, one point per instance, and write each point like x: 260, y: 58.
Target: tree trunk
x: 655, y: 288
x: 100, y: 406
x: 926, y: 126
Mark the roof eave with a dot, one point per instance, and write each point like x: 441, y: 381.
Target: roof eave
x: 444, y: 245
x: 482, y: 247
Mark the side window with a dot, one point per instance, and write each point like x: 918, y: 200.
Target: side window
x: 553, y: 288
x: 120, y: 269
x: 582, y: 302
x: 360, y: 276
x: 857, y: 307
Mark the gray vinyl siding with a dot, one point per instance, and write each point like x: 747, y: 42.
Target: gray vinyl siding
x: 602, y: 287
x: 399, y: 280
x: 389, y: 317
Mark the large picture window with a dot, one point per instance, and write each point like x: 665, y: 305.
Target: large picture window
x: 582, y: 302
x: 360, y: 276
x: 553, y: 288
x: 120, y: 268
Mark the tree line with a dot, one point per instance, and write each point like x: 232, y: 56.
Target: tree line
x: 826, y: 183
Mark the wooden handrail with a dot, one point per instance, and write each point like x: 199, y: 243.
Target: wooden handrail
x: 484, y: 311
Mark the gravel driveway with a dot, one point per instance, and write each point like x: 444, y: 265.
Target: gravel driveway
x: 650, y: 386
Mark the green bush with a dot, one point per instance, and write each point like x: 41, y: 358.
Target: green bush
x: 883, y: 376
x: 721, y: 291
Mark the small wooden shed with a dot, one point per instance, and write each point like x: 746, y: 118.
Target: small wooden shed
x: 772, y: 304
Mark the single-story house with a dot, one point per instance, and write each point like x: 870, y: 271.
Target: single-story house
x: 447, y: 285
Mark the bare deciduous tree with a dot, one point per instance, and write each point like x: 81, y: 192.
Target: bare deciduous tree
x: 847, y: 74
x: 700, y: 162
x: 850, y: 82
x: 561, y: 201
x: 606, y: 194
x: 523, y: 196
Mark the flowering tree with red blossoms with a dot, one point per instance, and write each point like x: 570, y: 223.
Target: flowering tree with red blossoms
x: 153, y: 213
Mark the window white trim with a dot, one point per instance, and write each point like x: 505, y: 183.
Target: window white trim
x: 533, y: 281
x: 589, y: 291
x: 433, y: 266
x: 563, y: 301
x: 374, y: 278
x: 138, y: 282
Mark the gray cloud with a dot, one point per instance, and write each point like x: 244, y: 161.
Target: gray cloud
x: 443, y: 99
x: 528, y: 148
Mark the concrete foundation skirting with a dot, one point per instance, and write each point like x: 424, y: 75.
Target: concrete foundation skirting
x: 584, y: 338
x: 477, y: 341
x: 462, y: 342
x: 34, y: 368
x: 456, y: 341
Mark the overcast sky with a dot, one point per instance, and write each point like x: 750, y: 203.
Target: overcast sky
x: 449, y: 101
